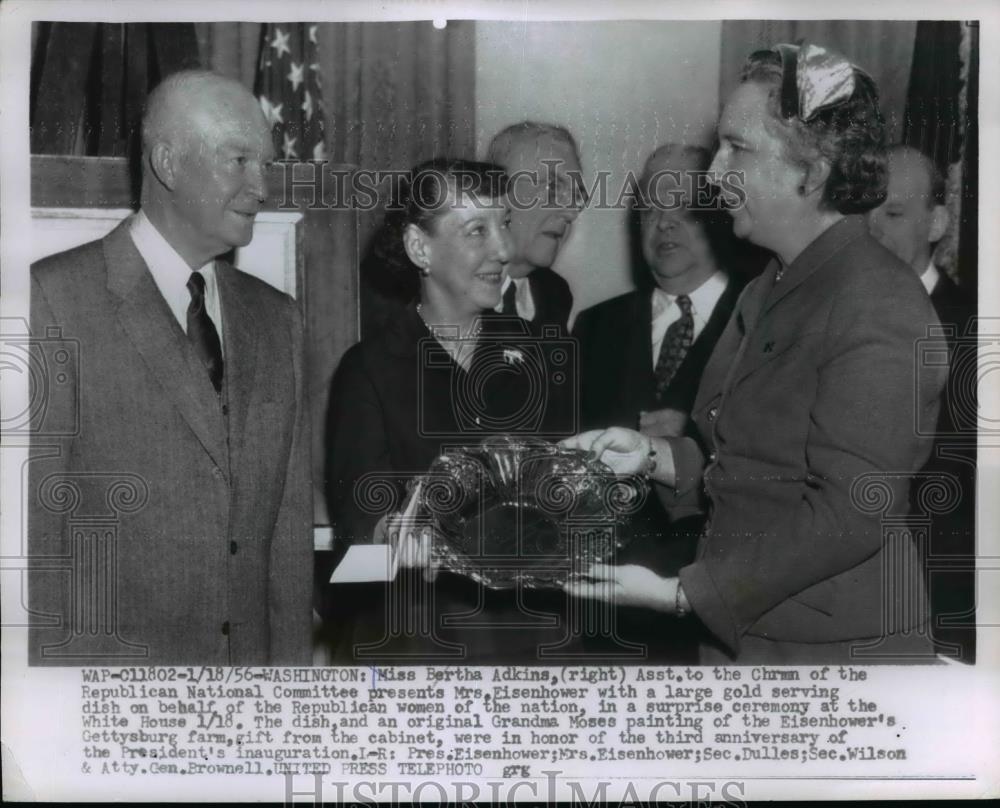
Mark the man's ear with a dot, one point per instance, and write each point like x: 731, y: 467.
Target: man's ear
x: 416, y: 246
x: 817, y: 173
x: 162, y: 162
x: 939, y: 223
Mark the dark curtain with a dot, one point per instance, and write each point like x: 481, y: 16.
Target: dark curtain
x: 89, y: 82
x: 941, y: 120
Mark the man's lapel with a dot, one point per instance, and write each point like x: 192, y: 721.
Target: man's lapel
x: 162, y: 343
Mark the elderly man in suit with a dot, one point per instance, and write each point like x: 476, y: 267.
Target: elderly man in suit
x: 547, y: 195
x: 190, y: 393
x: 910, y: 223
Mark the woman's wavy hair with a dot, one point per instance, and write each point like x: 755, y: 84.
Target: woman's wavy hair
x: 850, y: 136
x: 421, y: 198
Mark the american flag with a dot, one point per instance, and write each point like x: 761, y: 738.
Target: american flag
x: 289, y: 89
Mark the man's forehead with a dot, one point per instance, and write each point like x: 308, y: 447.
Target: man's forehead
x: 241, y: 127
x: 670, y: 162
x: 530, y: 150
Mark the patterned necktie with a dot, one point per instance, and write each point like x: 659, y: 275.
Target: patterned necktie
x: 201, y: 331
x: 674, y: 347
x: 510, y: 300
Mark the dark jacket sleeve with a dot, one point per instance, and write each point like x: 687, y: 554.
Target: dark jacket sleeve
x: 357, y: 445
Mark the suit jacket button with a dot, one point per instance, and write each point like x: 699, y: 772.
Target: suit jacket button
x: 225, y: 409
x: 217, y: 473
x: 233, y: 548
x: 713, y: 457
x: 713, y: 413
x: 225, y: 628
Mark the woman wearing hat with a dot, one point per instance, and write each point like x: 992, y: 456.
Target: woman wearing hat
x: 807, y: 411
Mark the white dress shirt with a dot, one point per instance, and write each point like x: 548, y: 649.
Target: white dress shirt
x: 523, y: 301
x: 666, y: 311
x: 171, y: 273
x: 930, y: 277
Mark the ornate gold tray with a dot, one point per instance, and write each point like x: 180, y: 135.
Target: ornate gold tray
x: 521, y: 511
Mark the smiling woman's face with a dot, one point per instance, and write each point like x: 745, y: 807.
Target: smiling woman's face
x: 770, y: 181
x: 467, y: 250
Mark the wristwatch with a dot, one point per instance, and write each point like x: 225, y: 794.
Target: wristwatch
x: 681, y: 606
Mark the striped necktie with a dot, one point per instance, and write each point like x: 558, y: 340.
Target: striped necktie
x: 674, y: 347
x: 202, y: 332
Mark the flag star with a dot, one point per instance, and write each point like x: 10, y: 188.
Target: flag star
x: 312, y: 34
x: 295, y: 76
x: 319, y: 151
x: 271, y: 111
x: 307, y: 106
x: 280, y: 42
x: 288, y: 147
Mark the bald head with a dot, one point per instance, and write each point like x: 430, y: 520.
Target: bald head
x: 528, y: 134
x: 206, y: 149
x: 196, y: 103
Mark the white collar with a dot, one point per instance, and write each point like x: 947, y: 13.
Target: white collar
x: 523, y: 299
x: 703, y: 299
x: 930, y: 276
x: 171, y: 272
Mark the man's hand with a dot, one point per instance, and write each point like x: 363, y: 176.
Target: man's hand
x: 665, y: 423
x: 626, y: 585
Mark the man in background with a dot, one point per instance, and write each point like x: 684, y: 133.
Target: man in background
x: 910, y: 223
x: 547, y: 195
x: 189, y: 397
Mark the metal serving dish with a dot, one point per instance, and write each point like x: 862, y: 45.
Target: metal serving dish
x: 517, y: 511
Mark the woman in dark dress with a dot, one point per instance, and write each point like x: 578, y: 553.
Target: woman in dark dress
x: 807, y: 413
x: 434, y: 378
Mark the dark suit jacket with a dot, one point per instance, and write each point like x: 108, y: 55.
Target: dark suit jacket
x: 953, y: 584
x: 552, y: 296
x: 616, y: 358
x: 807, y: 410
x: 210, y: 504
x: 952, y: 305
